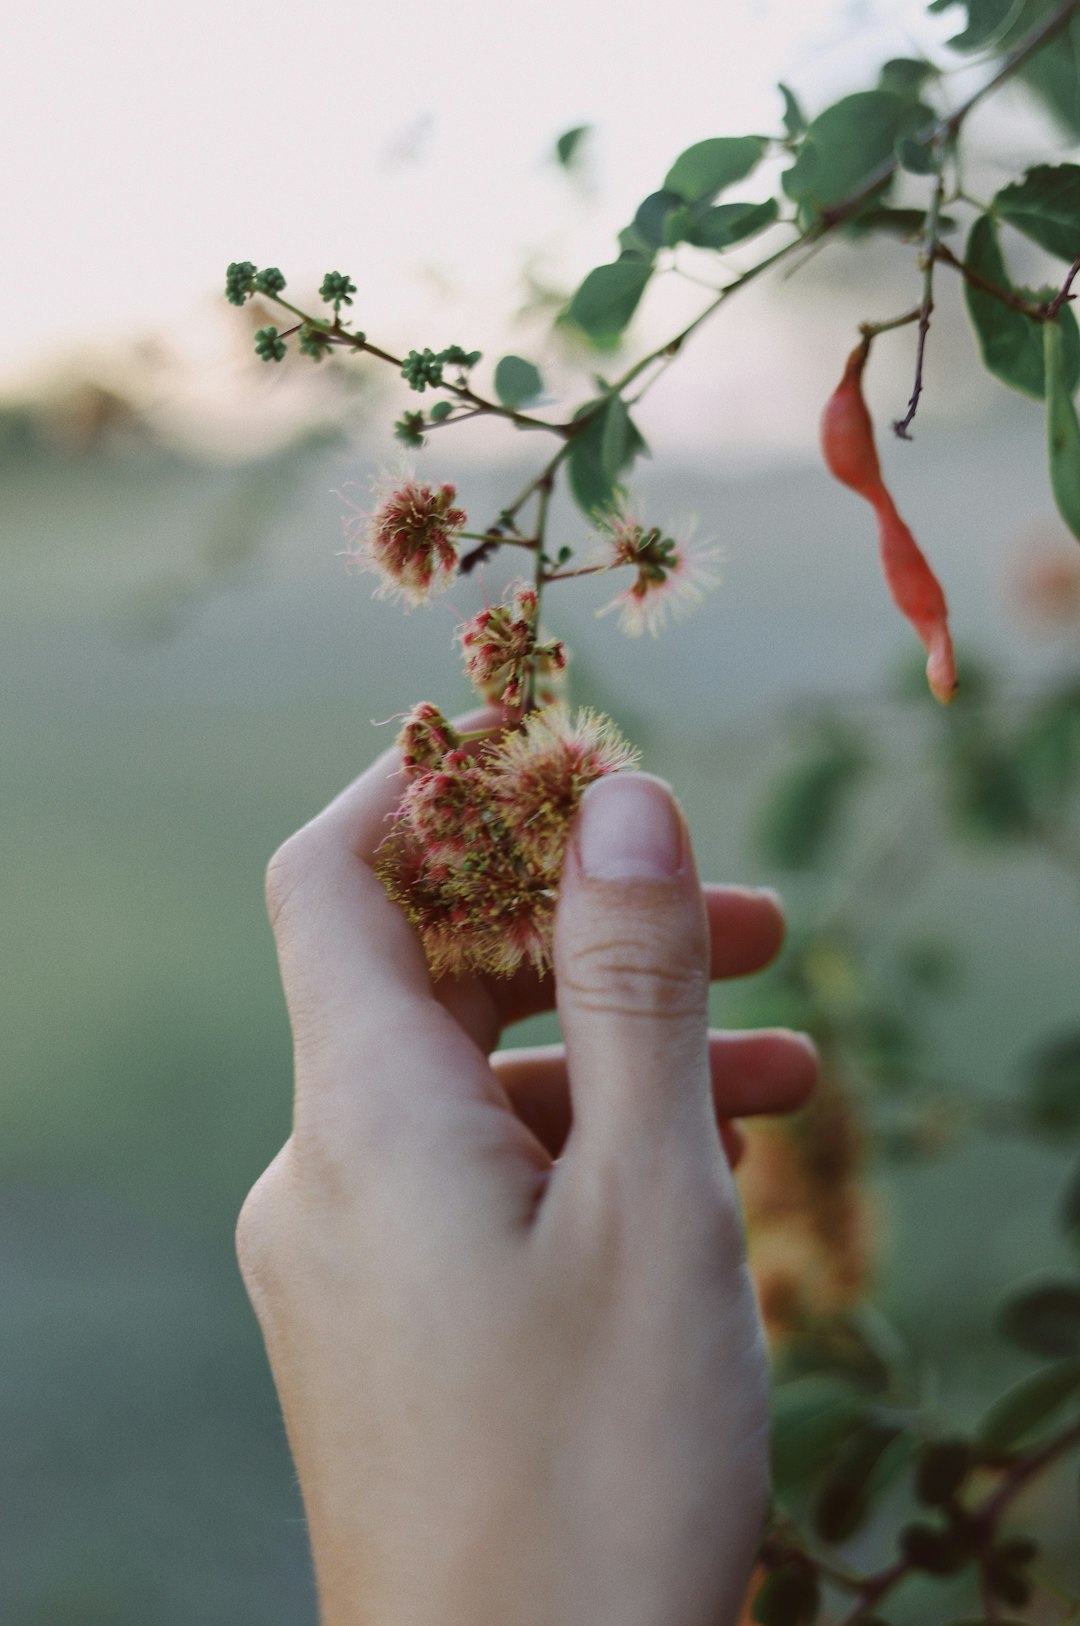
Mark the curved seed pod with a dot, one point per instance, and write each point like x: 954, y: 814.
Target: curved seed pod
x: 847, y: 443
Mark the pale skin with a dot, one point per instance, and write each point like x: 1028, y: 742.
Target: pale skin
x: 504, y: 1294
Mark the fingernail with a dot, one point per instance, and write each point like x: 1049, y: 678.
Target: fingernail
x: 629, y: 829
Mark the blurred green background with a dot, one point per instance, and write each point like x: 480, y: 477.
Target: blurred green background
x: 189, y: 674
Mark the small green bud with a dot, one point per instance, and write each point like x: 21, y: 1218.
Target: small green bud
x: 239, y: 281
x: 420, y: 370
x: 269, y: 344
x: 269, y: 281
x: 455, y: 356
x: 408, y: 429
x: 337, y: 289
x: 313, y: 343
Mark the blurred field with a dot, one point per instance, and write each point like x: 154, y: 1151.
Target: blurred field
x: 146, y: 1076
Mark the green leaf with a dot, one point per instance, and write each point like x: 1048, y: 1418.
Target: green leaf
x: 846, y: 143
x: 608, y: 298
x: 905, y: 223
x: 802, y: 817
x: 1053, y: 1084
x: 1062, y: 428
x: 904, y: 74
x: 726, y: 223
x: 1045, y: 1318
x: 810, y: 1417
x: 862, y: 1468
x: 917, y: 157
x: 1045, y: 206
x: 1029, y: 1403
x: 988, y: 796
x: 441, y: 410
x: 517, y: 382
x: 654, y: 212
x: 1011, y: 344
x: 706, y: 168
x: 986, y: 18
x: 1054, y: 74
x: 592, y: 478
x: 794, y: 117
x: 568, y: 146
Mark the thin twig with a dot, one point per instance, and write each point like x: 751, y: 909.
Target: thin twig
x: 902, y: 425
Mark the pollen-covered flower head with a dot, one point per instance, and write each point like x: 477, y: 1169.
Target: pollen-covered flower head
x: 671, y: 574
x: 477, y: 842
x: 425, y: 737
x: 407, y: 539
x: 541, y: 770
x: 501, y: 645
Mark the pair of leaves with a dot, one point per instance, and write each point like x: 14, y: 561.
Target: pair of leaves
x: 601, y: 452
x: 847, y: 143
x: 1012, y: 344
x: 680, y: 211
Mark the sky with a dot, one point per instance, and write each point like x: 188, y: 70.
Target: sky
x: 408, y: 144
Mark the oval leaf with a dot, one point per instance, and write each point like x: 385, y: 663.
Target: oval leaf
x: 1045, y: 206
x: 1045, y: 1318
x: 568, y: 146
x: 608, y: 298
x: 726, y: 223
x: 517, y: 381
x: 861, y: 1469
x: 1011, y: 344
x: 1063, y: 430
x: 1027, y: 1404
x: 845, y: 144
x: 654, y: 212
x: 592, y: 479
x: 706, y: 168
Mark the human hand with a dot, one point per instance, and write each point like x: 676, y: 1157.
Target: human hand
x: 519, y: 1362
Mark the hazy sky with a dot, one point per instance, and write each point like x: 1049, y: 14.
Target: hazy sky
x: 406, y: 143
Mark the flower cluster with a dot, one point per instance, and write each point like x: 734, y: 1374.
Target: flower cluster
x: 671, y: 575
x: 478, y: 840
x: 408, y: 539
x: 501, y: 646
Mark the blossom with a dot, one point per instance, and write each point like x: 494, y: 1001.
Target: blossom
x: 425, y: 737
x: 541, y: 770
x: 501, y: 646
x: 477, y: 842
x: 407, y: 539
x: 672, y: 574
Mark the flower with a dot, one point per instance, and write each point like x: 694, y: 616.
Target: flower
x: 477, y: 842
x: 671, y: 574
x: 425, y: 737
x: 540, y: 771
x: 500, y: 647
x: 407, y: 539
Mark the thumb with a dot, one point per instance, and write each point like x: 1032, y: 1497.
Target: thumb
x: 632, y: 969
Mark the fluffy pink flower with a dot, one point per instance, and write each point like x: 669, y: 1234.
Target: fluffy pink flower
x: 501, y: 646
x: 408, y: 539
x: 672, y: 575
x: 478, y: 840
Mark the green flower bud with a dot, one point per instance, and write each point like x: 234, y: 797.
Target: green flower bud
x: 313, y: 343
x: 269, y: 344
x: 422, y: 369
x: 408, y: 429
x: 337, y: 289
x: 269, y: 281
x: 239, y: 281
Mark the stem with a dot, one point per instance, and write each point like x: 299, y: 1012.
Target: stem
x: 568, y: 575
x: 902, y: 426
x: 1066, y: 292
x: 870, y: 330
x: 1045, y: 311
x: 545, y: 486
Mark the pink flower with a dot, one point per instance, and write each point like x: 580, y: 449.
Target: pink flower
x: 408, y: 539
x: 477, y: 843
x: 672, y: 575
x: 501, y: 647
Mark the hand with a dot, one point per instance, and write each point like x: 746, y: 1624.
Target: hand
x: 519, y: 1361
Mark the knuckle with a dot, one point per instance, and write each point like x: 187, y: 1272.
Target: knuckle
x: 630, y: 974
x: 257, y: 1226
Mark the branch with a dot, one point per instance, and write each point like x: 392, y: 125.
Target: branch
x: 902, y: 426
